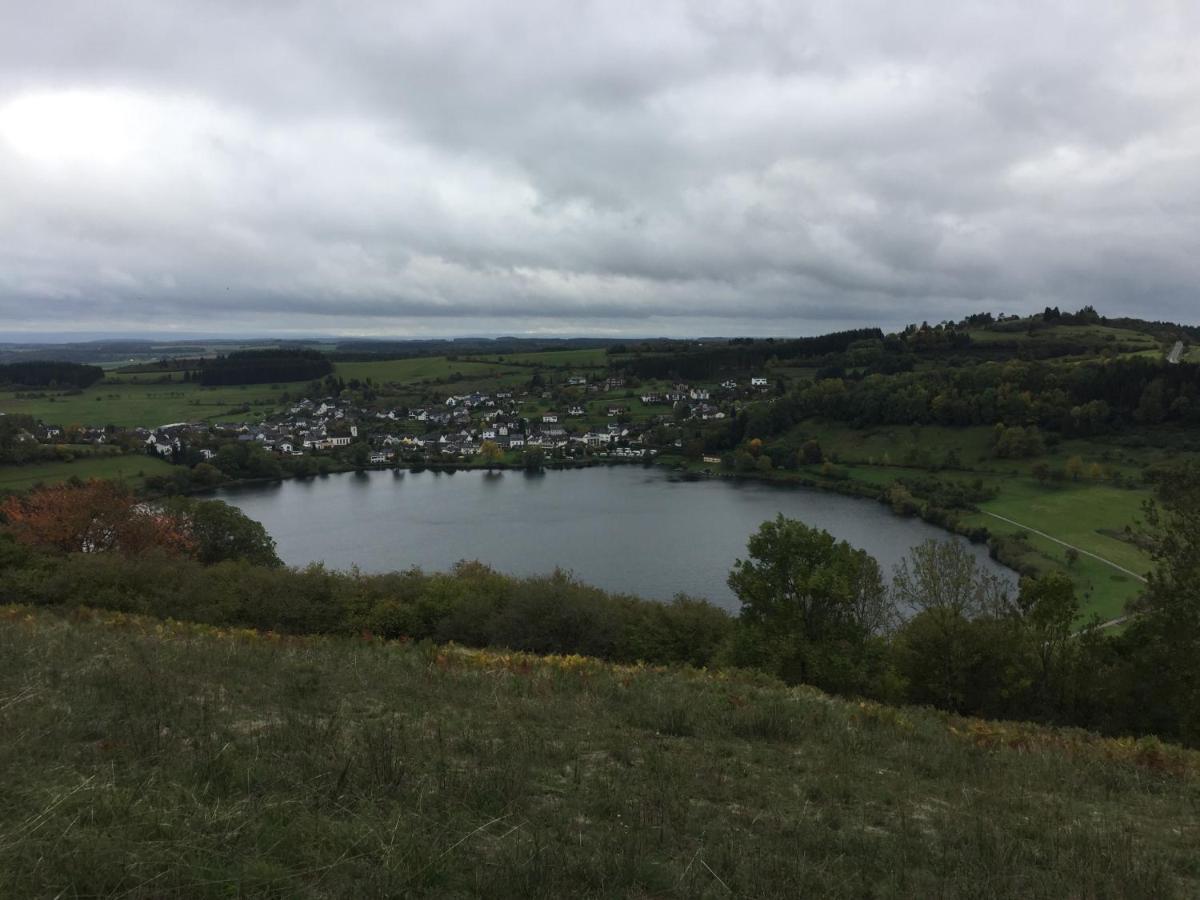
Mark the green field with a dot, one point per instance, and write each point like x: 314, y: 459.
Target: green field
x: 130, y: 468
x: 132, y: 405
x: 593, y: 358
x: 1098, y: 336
x: 1085, y: 514
x: 156, y: 760
x: 424, y: 368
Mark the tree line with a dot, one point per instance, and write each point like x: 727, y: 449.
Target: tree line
x: 741, y: 355
x: 265, y: 367
x: 49, y: 373
x: 1079, y: 400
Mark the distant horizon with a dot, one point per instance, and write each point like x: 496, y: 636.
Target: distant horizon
x: 150, y: 336
x: 610, y: 169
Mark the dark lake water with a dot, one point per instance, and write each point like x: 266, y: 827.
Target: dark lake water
x: 624, y: 528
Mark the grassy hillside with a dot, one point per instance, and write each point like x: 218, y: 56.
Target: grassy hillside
x: 1089, y: 515
x: 133, y: 468
x: 409, y: 371
x: 122, y: 402
x: 149, y: 759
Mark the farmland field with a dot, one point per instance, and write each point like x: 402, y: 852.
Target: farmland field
x: 132, y: 468
x: 594, y: 358
x: 132, y: 405
x: 423, y: 368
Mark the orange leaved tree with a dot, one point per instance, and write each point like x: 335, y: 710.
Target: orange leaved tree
x: 92, y: 517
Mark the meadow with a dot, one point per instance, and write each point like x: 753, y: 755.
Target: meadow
x: 1089, y: 515
x: 1096, y: 335
x: 128, y: 404
x: 134, y: 468
x: 591, y: 358
x: 160, y: 759
x: 423, y: 368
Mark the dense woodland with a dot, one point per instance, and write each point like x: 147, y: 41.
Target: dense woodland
x: 265, y: 367
x: 48, y: 373
x: 739, y: 354
x: 1081, y: 400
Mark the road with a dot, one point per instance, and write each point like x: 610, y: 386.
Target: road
x: 1111, y: 623
x: 1049, y: 537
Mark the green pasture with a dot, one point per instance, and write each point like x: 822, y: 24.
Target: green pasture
x: 1097, y: 335
x: 132, y: 468
x: 591, y: 358
x: 165, y: 760
x: 423, y: 368
x: 1087, y: 514
x: 131, y: 405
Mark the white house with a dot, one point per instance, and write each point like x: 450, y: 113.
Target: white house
x: 758, y: 382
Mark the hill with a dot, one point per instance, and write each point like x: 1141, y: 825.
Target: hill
x: 153, y: 758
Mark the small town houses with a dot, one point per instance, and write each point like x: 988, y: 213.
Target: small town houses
x: 452, y: 427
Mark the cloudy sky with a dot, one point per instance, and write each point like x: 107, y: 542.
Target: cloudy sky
x: 561, y: 167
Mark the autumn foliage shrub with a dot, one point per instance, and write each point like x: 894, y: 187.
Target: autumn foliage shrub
x: 92, y: 517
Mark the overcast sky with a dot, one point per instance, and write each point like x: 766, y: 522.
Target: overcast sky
x: 634, y: 168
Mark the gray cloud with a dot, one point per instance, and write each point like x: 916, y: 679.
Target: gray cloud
x: 614, y: 167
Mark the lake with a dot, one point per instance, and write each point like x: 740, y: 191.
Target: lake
x: 622, y: 528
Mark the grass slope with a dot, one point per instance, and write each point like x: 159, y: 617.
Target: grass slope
x: 150, y: 759
x: 405, y: 371
x: 129, y: 405
x: 132, y: 468
x: 1083, y: 513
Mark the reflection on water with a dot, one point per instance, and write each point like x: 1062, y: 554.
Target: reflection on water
x: 623, y: 528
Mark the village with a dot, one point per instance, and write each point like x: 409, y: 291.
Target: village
x: 601, y: 417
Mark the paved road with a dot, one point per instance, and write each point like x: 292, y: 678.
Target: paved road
x: 1049, y: 537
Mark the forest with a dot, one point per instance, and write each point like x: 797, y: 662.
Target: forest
x: 264, y: 367
x: 49, y: 373
x: 1086, y: 399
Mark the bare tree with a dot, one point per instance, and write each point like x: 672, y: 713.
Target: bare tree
x: 946, y: 575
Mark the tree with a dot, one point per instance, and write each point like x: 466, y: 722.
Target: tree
x: 92, y: 517
x: 222, y: 532
x: 1049, y: 607
x: 810, y: 453
x: 946, y: 575
x: 1152, y: 406
x: 360, y: 454
x: 812, y: 600
x: 491, y: 454
x: 1041, y: 471
x: 533, y: 459
x: 1074, y: 468
x: 1165, y: 636
x: 939, y: 649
